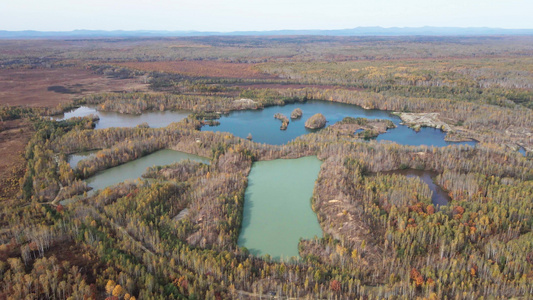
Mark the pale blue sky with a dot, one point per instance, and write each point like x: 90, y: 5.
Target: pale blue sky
x: 233, y: 15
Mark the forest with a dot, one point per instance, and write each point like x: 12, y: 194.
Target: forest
x: 173, y: 233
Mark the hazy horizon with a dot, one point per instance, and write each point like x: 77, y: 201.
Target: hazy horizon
x: 244, y: 15
x: 268, y: 30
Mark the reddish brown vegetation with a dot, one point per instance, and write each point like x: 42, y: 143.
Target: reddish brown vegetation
x: 13, y: 137
x: 15, y: 90
x: 77, y: 255
x: 335, y: 285
x: 416, y: 277
x: 458, y: 212
x: 200, y: 68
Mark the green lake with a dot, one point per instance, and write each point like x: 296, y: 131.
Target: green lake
x: 134, y: 169
x: 277, y: 207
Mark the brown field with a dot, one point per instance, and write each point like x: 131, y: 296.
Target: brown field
x: 13, y: 138
x: 200, y: 68
x: 29, y: 87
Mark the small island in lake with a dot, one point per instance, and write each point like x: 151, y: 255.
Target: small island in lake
x: 296, y: 113
x: 317, y: 121
x: 284, y: 120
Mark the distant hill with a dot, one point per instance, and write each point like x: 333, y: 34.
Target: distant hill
x: 359, y: 31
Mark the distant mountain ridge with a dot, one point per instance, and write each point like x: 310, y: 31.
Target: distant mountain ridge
x: 358, y: 31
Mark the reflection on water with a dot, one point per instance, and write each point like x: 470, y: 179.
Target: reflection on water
x: 426, y: 136
x: 134, y: 169
x: 265, y: 129
x: 74, y: 159
x: 154, y: 119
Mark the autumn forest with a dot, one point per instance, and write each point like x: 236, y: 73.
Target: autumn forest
x: 173, y: 233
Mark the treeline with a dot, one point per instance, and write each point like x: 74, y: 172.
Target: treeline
x: 118, y: 154
x: 114, y: 72
x: 45, y: 173
x: 364, y: 212
x: 482, y: 122
x: 506, y: 125
x: 394, y: 238
x: 175, y: 236
x: 39, y: 53
x: 136, y: 103
x: 10, y: 112
x: 502, y: 81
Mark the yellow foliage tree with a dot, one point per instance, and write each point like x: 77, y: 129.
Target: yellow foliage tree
x: 110, y: 286
x: 118, y: 291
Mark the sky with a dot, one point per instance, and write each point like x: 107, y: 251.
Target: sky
x: 246, y: 15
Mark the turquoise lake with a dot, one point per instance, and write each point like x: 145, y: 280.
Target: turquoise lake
x: 277, y: 207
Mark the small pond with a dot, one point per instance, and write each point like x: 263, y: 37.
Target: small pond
x: 439, y: 197
x: 74, y: 159
x: 522, y: 151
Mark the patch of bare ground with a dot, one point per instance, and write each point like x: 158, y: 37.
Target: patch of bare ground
x: 200, y: 68
x: 342, y: 215
x: 417, y: 120
x: 50, y: 87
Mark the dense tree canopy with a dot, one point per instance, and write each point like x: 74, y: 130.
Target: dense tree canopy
x: 173, y: 234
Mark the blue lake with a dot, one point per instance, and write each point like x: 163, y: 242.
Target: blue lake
x: 265, y: 129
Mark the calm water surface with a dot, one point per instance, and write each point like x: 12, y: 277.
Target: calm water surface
x: 522, y: 151
x: 439, y: 197
x: 265, y: 129
x: 155, y: 119
x: 74, y: 159
x: 134, y: 169
x: 277, y: 207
